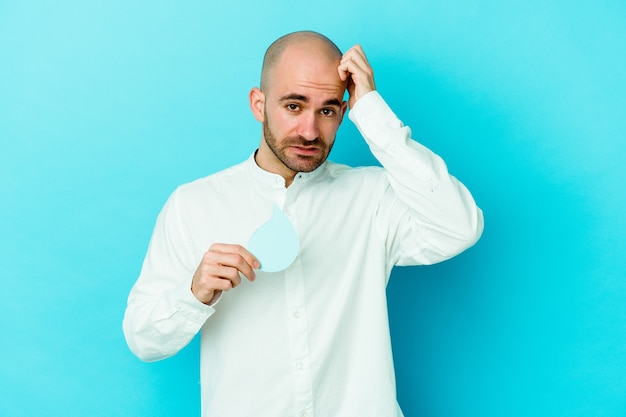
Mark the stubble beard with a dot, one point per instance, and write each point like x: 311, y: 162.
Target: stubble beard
x: 296, y: 163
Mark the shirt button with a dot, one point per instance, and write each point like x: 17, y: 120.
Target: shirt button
x: 297, y: 314
x: 299, y: 366
x: 304, y: 413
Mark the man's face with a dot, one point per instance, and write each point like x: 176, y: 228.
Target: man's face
x: 296, y: 152
x: 303, y: 109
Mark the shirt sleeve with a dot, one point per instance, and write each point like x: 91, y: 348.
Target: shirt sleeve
x: 426, y: 215
x: 162, y: 314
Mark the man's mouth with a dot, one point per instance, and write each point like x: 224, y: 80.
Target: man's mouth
x: 305, y: 150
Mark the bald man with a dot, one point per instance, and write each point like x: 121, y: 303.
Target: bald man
x: 311, y: 339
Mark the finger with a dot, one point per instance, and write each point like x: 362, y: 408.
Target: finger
x: 343, y: 73
x: 344, y: 67
x: 357, y: 67
x: 356, y: 55
x: 354, y: 65
x: 245, y: 262
x: 205, y: 287
x: 248, y: 257
x: 219, y: 284
x: 238, y: 249
x: 359, y: 84
x: 211, y: 279
x: 349, y: 68
x: 235, y: 258
x: 224, y: 273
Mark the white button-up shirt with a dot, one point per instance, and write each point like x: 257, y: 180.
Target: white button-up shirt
x: 313, y: 339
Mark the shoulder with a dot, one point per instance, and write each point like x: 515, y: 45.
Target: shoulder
x: 225, y: 179
x: 341, y: 171
x: 357, y: 177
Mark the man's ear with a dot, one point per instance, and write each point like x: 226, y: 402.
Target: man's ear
x: 344, y: 107
x: 257, y: 104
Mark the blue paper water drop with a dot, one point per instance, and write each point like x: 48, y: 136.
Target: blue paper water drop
x: 275, y: 243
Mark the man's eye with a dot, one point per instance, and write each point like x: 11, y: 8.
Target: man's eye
x: 293, y: 107
x: 328, y: 112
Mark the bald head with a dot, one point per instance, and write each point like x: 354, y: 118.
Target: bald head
x: 318, y: 45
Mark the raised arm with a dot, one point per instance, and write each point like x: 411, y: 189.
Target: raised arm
x: 427, y: 215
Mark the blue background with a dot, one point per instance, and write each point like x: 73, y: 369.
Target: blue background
x: 106, y: 106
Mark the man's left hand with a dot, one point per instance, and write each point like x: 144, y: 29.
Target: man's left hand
x: 355, y: 68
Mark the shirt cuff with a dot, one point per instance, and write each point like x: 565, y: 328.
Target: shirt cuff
x: 372, y: 114
x: 188, y: 305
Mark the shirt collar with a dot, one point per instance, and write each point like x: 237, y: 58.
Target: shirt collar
x: 274, y: 180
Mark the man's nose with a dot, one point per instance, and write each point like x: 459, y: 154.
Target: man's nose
x: 308, y: 126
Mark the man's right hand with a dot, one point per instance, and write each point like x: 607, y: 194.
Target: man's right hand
x: 219, y: 270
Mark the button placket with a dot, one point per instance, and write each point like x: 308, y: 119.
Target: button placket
x: 299, y: 337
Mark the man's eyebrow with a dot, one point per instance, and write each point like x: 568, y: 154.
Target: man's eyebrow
x: 333, y: 102
x: 305, y: 99
x: 296, y: 97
